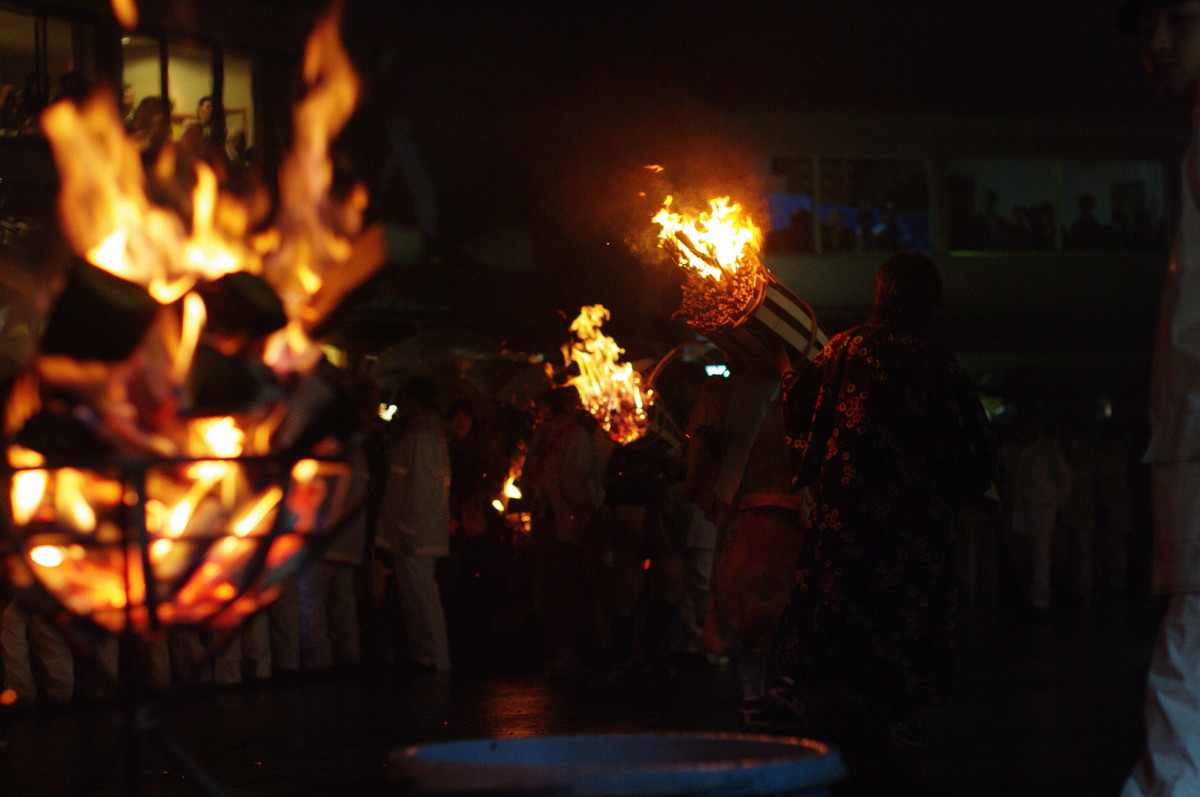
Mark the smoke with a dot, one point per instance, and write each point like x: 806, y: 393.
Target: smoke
x: 595, y: 177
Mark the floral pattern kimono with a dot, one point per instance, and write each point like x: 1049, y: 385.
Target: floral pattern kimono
x: 890, y: 436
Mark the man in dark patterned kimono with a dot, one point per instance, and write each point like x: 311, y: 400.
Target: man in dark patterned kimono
x: 891, y: 438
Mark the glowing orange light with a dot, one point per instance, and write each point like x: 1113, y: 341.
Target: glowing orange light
x: 611, y: 391
x: 718, y: 248
x: 209, y: 492
x: 28, y: 487
x: 126, y: 13
x: 47, y: 556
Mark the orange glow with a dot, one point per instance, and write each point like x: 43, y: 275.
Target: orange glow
x: 254, y: 518
x: 612, y: 392
x: 70, y: 505
x: 209, y: 503
x: 47, y: 556
x: 718, y: 248
x: 223, y: 437
x: 511, y: 491
x: 126, y: 13
x: 713, y: 243
x: 282, y: 550
x: 159, y: 550
x: 194, y: 315
x: 308, y: 245
x: 28, y: 487
x: 21, y: 457
x: 305, y: 470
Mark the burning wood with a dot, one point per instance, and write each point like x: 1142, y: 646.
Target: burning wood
x: 612, y: 392
x: 728, y: 294
x: 150, y: 481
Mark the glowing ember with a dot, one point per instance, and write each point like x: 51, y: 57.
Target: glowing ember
x: 612, y: 392
x: 718, y: 249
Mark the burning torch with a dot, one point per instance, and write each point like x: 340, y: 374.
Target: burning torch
x: 728, y: 294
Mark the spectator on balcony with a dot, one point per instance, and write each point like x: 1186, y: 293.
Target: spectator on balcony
x: 1086, y: 232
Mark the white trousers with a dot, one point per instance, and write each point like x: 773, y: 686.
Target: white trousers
x: 1170, y: 764
x: 421, y: 611
x: 251, y: 642
x: 1033, y: 540
x: 284, y: 625
x: 26, y: 636
x: 328, y: 615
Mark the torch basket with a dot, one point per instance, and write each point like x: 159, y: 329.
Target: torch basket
x: 776, y: 317
x: 96, y: 546
x: 108, y: 542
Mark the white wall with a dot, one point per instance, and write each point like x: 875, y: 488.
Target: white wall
x: 190, y: 77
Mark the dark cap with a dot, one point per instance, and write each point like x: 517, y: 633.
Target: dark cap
x: 1128, y: 16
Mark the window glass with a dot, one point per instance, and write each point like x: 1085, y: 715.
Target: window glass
x: 190, y: 83
x: 873, y: 205
x: 141, y: 82
x: 1113, y: 205
x: 27, y: 82
x: 189, y: 75
x: 790, y: 203
x: 1002, y: 205
x: 239, y: 100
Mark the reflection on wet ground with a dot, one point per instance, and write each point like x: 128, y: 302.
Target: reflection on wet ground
x: 1048, y: 707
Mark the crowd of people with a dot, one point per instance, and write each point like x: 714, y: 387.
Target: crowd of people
x: 1034, y: 228
x: 809, y: 526
x: 812, y: 530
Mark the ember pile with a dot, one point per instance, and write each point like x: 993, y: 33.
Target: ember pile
x: 170, y: 448
x: 718, y: 249
x: 611, y: 391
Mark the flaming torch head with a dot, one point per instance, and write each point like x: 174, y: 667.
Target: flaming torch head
x: 612, y: 392
x: 718, y: 250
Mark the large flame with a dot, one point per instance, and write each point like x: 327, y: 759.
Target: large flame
x: 309, y: 243
x: 204, y: 504
x: 610, y: 390
x: 718, y: 248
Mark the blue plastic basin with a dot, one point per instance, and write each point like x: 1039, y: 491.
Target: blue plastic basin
x: 708, y: 764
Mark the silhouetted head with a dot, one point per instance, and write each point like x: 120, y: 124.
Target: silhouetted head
x: 461, y: 417
x: 908, y: 291
x: 204, y: 110
x: 418, y: 396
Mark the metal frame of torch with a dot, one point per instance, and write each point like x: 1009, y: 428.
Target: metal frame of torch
x: 778, y: 316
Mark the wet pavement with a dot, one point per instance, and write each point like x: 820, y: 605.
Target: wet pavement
x: 1047, y: 706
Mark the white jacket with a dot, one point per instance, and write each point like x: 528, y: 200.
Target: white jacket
x: 414, y: 514
x: 1174, y: 448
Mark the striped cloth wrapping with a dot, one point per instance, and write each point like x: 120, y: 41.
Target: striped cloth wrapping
x: 779, y: 317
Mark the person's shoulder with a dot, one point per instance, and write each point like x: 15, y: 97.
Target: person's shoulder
x: 854, y: 336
